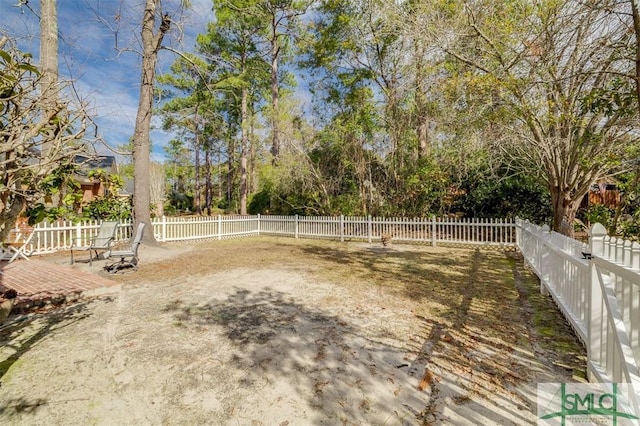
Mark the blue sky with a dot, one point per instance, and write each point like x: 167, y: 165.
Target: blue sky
x: 97, y: 43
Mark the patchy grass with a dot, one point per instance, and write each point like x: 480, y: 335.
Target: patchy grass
x: 346, y: 332
x: 458, y: 287
x: 553, y: 334
x: 471, y: 295
x: 474, y: 315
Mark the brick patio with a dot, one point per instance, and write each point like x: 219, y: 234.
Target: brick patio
x: 38, y: 281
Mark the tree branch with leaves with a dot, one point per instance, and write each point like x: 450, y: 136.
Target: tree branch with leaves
x: 25, y: 132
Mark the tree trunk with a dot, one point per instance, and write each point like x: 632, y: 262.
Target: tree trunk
x: 422, y: 113
x: 208, y: 196
x: 157, y: 187
x: 231, y: 171
x: 197, y: 205
x: 253, y: 178
x: 565, y: 205
x: 48, y: 59
x: 635, y: 13
x: 275, y: 51
x: 220, y: 176
x: 9, y: 216
x: 423, y: 137
x: 243, y: 151
x: 141, y: 144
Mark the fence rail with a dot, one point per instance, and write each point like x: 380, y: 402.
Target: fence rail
x: 597, y: 287
x: 432, y: 231
x: 51, y: 237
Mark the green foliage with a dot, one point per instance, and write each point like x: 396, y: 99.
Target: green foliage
x: 39, y: 212
x: 599, y: 213
x: 179, y: 201
x: 289, y: 190
x: 108, y: 207
x: 61, y: 177
x: 60, y: 182
x: 617, y: 97
x: 404, y: 128
x: 629, y: 226
x: 260, y: 202
x: 507, y: 197
x: 422, y: 190
x: 34, y: 152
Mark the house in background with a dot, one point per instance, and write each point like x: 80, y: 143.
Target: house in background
x: 91, y: 187
x: 604, y: 193
x: 607, y: 194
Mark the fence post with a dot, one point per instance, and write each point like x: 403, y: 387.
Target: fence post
x: 78, y: 235
x: 595, y: 302
x: 342, y: 228
x: 433, y: 231
x: 596, y: 242
x: 296, y: 227
x: 163, y: 227
x: 544, y: 263
x: 219, y: 227
x: 259, y: 227
x: 369, y: 228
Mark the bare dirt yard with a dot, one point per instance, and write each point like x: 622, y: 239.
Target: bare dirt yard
x: 265, y: 331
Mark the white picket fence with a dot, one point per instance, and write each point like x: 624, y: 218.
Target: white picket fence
x: 62, y: 235
x: 599, y: 296
x: 434, y: 231
x: 51, y: 237
x: 597, y: 287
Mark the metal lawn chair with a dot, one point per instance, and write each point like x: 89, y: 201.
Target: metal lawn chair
x: 101, y: 242
x: 128, y: 257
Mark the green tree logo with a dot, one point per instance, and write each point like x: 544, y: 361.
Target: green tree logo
x: 584, y: 404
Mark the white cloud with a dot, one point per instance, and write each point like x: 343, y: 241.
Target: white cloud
x: 107, y: 78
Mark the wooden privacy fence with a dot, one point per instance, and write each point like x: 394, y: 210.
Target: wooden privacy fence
x: 597, y: 287
x: 489, y: 232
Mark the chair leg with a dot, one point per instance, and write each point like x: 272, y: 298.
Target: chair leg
x: 121, y: 264
x: 16, y: 254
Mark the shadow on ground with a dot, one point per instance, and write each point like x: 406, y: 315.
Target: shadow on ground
x: 328, y: 334
x: 474, y: 348
x: 24, y: 332
x: 473, y: 354
x: 301, y: 357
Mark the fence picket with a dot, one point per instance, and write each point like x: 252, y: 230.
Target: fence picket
x: 599, y: 296
x: 433, y: 230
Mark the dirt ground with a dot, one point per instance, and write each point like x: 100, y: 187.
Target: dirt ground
x: 265, y: 331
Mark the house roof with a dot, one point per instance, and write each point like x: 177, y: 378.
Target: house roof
x: 127, y: 189
x: 99, y: 162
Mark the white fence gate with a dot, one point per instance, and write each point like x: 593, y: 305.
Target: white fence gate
x: 597, y: 287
